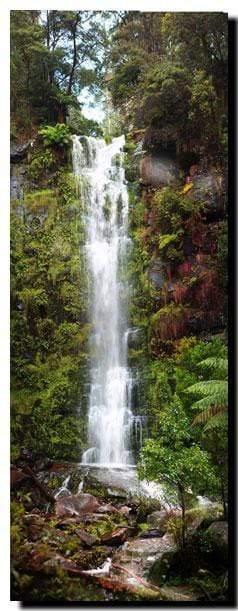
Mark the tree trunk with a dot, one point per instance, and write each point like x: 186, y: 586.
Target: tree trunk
x: 71, y: 76
x: 183, y: 507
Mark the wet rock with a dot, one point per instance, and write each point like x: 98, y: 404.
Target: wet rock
x: 158, y: 519
x: 202, y: 516
x: 117, y: 493
x: 64, y: 523
x: 140, y: 554
x: 142, y: 591
x: 76, y: 505
x: 158, y: 573
x: 179, y: 593
x: 157, y: 170
x: 19, y: 151
x: 157, y: 273
x: 108, y: 508
x: 18, y: 182
x: 125, y: 510
x: 35, y: 524
x: 218, y: 533
x: 152, y: 534
x: 91, y: 518
x: 86, y: 538
x: 117, y: 537
x: 46, y: 560
x: 17, y: 476
x: 59, y: 467
x: 42, y: 464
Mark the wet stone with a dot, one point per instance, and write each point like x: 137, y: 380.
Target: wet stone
x: 76, y: 505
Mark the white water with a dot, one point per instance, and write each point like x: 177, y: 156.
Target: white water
x: 101, y: 180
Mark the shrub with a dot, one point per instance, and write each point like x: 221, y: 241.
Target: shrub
x: 55, y: 135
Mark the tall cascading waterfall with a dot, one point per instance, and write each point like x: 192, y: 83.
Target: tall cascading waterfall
x: 101, y: 178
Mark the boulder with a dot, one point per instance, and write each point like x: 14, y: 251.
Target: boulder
x: 76, y: 505
x: 158, y: 520
x: 153, y: 533
x: 108, y: 508
x: 116, y: 493
x: 125, y: 510
x: 35, y: 524
x: 86, y: 538
x: 218, y: 533
x: 42, y: 464
x: 157, y: 170
x: 157, y: 273
x: 160, y: 569
x: 59, y: 467
x: 199, y: 518
x: 17, y: 476
x: 117, y: 537
x: 19, y: 151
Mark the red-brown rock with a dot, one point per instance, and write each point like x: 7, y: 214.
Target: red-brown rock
x: 76, y: 505
x: 108, y: 508
x: 115, y: 538
x: 17, y: 476
x: 86, y: 538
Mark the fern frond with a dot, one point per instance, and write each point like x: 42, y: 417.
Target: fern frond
x: 216, y: 421
x: 205, y: 402
x: 219, y: 363
x: 209, y: 387
x: 208, y: 413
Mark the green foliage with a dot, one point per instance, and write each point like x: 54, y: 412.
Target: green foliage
x: 175, y: 457
x: 49, y: 325
x: 55, y: 135
x: 41, y: 161
x: 177, y: 466
x: 214, y: 392
x: 203, y: 103
x: 169, y: 321
x: 169, y: 74
x: 44, y: 199
x: 166, y: 98
x: 166, y: 239
x: 53, y: 57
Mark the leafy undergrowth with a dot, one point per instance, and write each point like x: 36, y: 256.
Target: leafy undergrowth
x: 48, y: 552
x: 52, y: 550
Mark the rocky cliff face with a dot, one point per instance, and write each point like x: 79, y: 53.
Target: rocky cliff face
x: 184, y: 214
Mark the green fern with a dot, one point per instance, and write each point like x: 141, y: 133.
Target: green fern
x: 216, y: 422
x: 213, y: 388
x: 207, y: 414
x: 218, y: 364
x: 214, y: 399
x: 205, y: 402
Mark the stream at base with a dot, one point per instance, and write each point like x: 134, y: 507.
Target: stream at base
x: 124, y: 478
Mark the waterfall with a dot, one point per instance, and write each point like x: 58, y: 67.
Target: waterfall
x: 101, y: 179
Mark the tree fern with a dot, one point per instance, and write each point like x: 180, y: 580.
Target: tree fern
x: 218, y: 364
x: 214, y: 399
x: 213, y: 388
x: 207, y: 414
x: 218, y: 421
x: 205, y: 402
